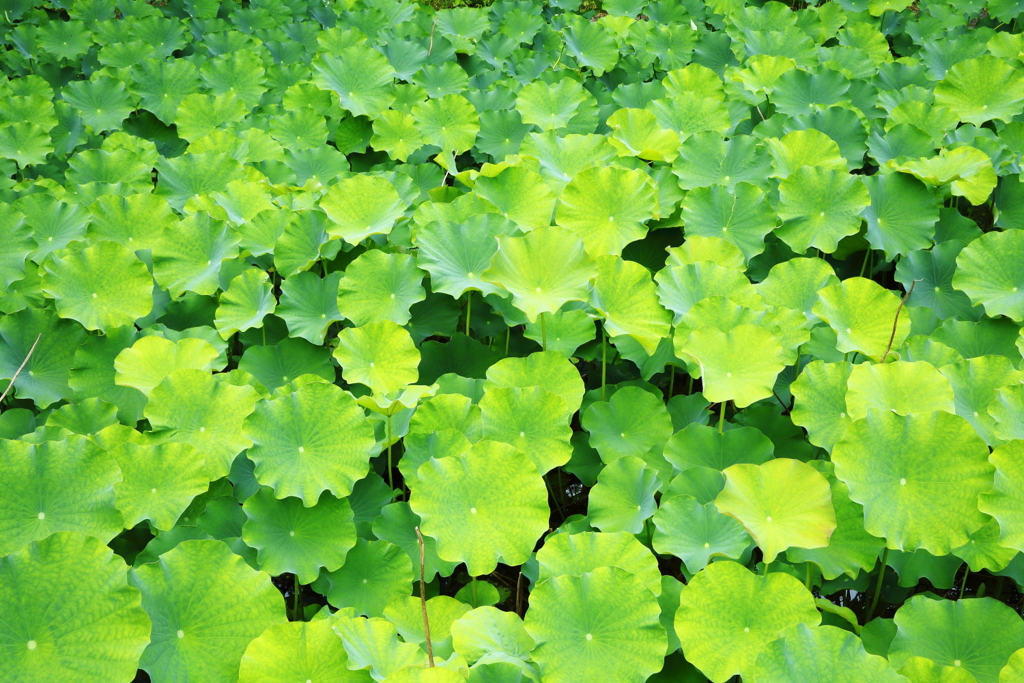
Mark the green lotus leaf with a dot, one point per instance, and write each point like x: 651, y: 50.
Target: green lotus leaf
x: 804, y: 148
x: 563, y: 331
x: 54, y: 223
x: 1006, y: 409
x: 525, y: 266
x: 705, y: 159
x: 457, y: 253
x: 545, y: 369
x: 819, y: 207
x: 396, y: 133
x: 397, y: 524
x: 200, y: 114
x: 520, y: 195
x: 360, y: 206
x: 420, y: 674
x: 136, y: 222
x: 152, y: 358
x: 361, y: 76
x: 975, y: 382
x: 795, y: 284
x: 309, y: 305
x: 989, y: 271
x: 636, y: 132
x: 631, y: 423
x: 799, y: 91
x: 692, y: 114
x: 697, y: 532
x: 239, y: 72
x: 623, y: 497
x: 680, y: 287
x: 862, y: 313
x: 205, y: 411
x: 207, y: 605
x: 902, y: 214
x: 373, y: 645
x: 698, y: 445
x: 487, y: 634
x: 604, y: 623
x: 737, y: 213
x: 820, y: 401
x: 976, y: 635
x: 102, y: 102
x: 484, y: 506
x: 902, y: 387
x: 248, y: 299
x: 442, y: 611
x: 921, y: 348
x: 313, y: 440
x: 69, y: 613
x: 450, y: 122
x: 26, y: 143
x: 918, y: 478
x: 61, y: 485
x: 607, y: 207
x: 455, y: 412
x: 189, y: 257
x: 933, y: 270
x: 850, y: 548
x: 783, y: 503
x: 296, y: 539
x: 576, y: 554
x: 159, y: 481
x: 93, y: 374
x: 1014, y: 669
x: 982, y: 89
x: 740, y: 365
x: 44, y: 378
x: 18, y: 243
x: 380, y: 287
x: 380, y: 355
x: 762, y: 72
x: 298, y: 130
x: 923, y: 670
x: 276, y: 366
x: 985, y: 550
x: 550, y: 106
x: 374, y: 574
x: 826, y: 654
x: 967, y: 170
x: 102, y: 286
x: 298, y: 651
x: 727, y: 615
x: 1004, y: 501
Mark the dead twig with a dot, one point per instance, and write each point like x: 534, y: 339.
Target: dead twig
x: 423, y: 596
x: 20, y: 368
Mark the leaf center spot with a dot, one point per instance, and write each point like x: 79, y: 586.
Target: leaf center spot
x: 366, y: 581
x: 538, y: 290
x: 31, y: 644
x: 291, y: 533
x: 746, y: 629
x: 472, y: 511
x: 152, y: 490
x: 522, y: 434
x: 707, y: 545
x: 302, y: 449
x: 849, y: 330
x: 202, y: 429
x: 728, y: 374
x: 371, y: 364
x: 181, y: 634
x: 768, y: 518
x: 590, y: 636
x: 392, y: 296
x: 94, y: 294
x: 42, y: 515
x: 903, y: 482
x: 956, y: 663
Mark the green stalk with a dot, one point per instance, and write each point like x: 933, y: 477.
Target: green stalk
x: 297, y: 604
x: 387, y: 422
x: 543, y: 332
x: 476, y: 601
x: 469, y: 309
x: 878, y: 585
x: 508, y: 338
x: 807, y: 577
x: 671, y: 380
x: 721, y: 418
x: 604, y: 362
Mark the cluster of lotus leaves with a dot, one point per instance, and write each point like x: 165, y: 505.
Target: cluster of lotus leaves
x: 670, y: 325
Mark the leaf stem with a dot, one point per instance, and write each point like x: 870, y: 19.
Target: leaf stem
x: 543, y: 332
x: 671, y: 380
x: 604, y: 362
x: 476, y: 600
x: 721, y: 417
x: 297, y: 600
x: 878, y: 585
x: 387, y: 432
x: 423, y: 596
x: 896, y: 319
x: 21, y: 367
x: 469, y: 309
